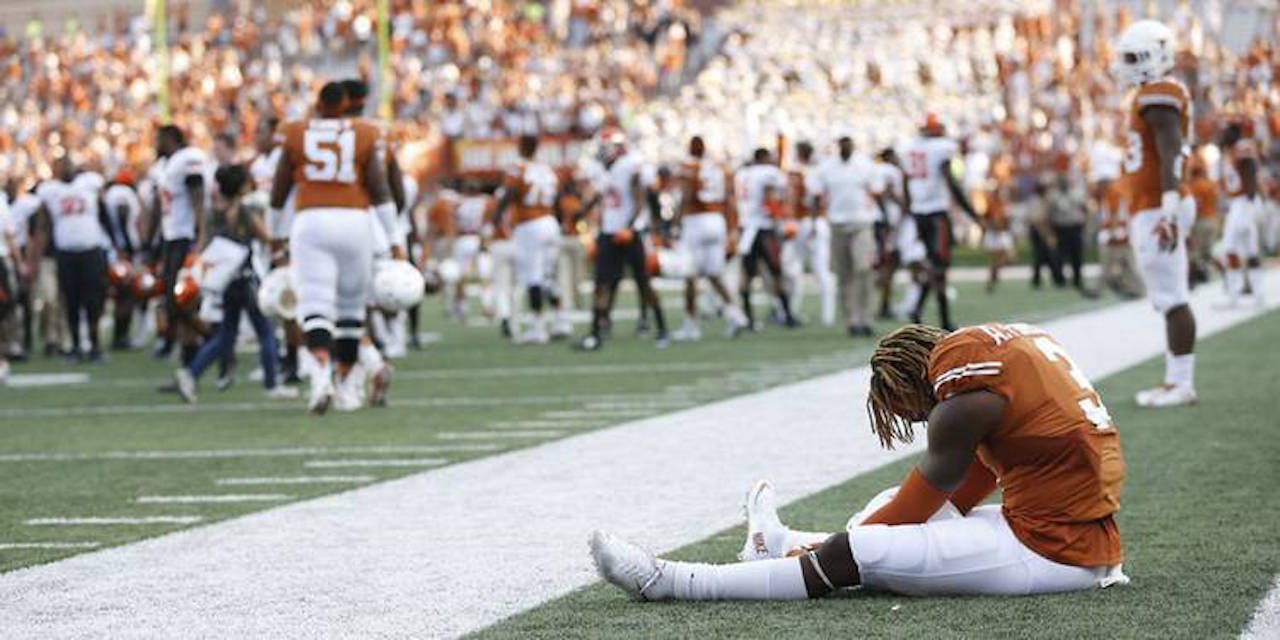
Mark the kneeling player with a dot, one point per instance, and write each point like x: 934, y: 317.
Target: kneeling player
x: 1001, y: 401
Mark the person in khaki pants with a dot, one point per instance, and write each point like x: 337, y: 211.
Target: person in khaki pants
x: 850, y: 184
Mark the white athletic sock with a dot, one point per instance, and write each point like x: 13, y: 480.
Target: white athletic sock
x: 1255, y: 281
x: 1180, y: 370
x: 1235, y: 283
x: 827, y: 291
x: 911, y: 298
x: 779, y: 579
x: 369, y: 357
x: 781, y: 540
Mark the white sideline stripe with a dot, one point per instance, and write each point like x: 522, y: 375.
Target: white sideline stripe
x: 255, y: 407
x: 210, y: 454
x: 28, y: 380
x: 215, y: 499
x: 1265, y: 624
x: 4, y: 546
x: 542, y: 424
x: 420, y: 535
x: 375, y: 462
x: 575, y: 414
x: 491, y: 435
x: 113, y: 520
x: 239, y: 482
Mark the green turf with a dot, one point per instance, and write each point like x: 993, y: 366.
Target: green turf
x: 1199, y: 520
x: 467, y: 381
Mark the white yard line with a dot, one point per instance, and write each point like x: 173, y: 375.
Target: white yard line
x: 446, y: 552
x: 1265, y: 624
x: 375, y: 462
x: 5, y: 546
x: 542, y: 424
x: 292, y: 480
x: 498, y: 435
x: 95, y: 520
x: 29, y: 380
x: 229, y: 498
x: 216, y: 454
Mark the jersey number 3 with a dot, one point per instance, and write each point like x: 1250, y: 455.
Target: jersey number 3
x: 1094, y: 410
x: 330, y: 155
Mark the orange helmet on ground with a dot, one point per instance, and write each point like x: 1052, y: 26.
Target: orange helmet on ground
x: 120, y: 274
x: 186, y: 291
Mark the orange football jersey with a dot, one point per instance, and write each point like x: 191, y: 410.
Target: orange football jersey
x: 329, y: 156
x: 1141, y: 159
x: 800, y: 198
x: 534, y: 186
x: 1055, y: 451
x: 1205, y: 193
x: 1115, y: 213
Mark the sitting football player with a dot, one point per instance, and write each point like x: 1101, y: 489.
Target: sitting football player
x: 1005, y: 406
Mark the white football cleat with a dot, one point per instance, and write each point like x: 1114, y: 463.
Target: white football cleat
x: 347, y: 392
x: 1177, y: 396
x: 282, y: 392
x: 688, y: 332
x: 321, y: 394
x: 561, y: 328
x: 535, y: 335
x: 185, y: 384
x: 762, y: 516
x: 1143, y: 398
x: 625, y: 565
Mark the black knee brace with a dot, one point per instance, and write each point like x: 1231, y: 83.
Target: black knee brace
x: 346, y: 340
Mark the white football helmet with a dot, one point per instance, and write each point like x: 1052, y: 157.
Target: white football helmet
x: 1144, y: 53
x: 397, y: 285
x: 276, y: 296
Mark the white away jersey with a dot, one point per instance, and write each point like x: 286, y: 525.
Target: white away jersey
x: 848, y: 186
x: 890, y: 178
x: 922, y: 162
x: 118, y: 197
x: 73, y: 213
x: 263, y: 170
x: 469, y: 214
x: 178, y: 219
x: 753, y: 183
x: 619, y: 201
x: 20, y: 212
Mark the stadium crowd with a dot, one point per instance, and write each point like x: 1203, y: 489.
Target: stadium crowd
x: 829, y: 95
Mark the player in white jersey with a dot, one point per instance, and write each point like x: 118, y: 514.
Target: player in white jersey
x: 40, y: 301
x: 123, y: 211
x: 70, y: 217
x: 704, y: 224
x: 851, y: 191
x: 617, y: 244
x: 760, y: 193
x: 13, y: 275
x: 931, y: 190
x: 899, y: 245
x: 180, y: 177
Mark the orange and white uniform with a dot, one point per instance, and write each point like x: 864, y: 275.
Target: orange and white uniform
x: 703, y: 226
x: 331, y: 241
x: 537, y: 233
x: 1113, y: 227
x: 1165, y: 272
x: 1240, y: 236
x: 1055, y: 454
x: 811, y: 246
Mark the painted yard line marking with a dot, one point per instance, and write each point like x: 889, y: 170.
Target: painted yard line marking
x: 1265, y: 623
x: 48, y: 545
x: 215, y: 499
x: 28, y: 380
x: 238, y: 482
x: 209, y: 454
x: 597, y: 413
x: 255, y: 407
x: 660, y: 403
x: 375, y: 462
x: 114, y: 520
x: 487, y: 435
x: 542, y: 424
x: 558, y: 492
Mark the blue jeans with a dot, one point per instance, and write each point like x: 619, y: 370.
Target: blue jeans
x: 240, y: 296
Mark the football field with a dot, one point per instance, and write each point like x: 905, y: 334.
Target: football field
x: 108, y: 461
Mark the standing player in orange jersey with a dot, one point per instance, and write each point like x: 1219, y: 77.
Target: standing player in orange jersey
x: 1005, y: 406
x: 336, y: 168
x: 1160, y: 215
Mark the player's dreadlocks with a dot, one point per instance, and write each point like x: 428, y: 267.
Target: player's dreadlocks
x: 900, y: 392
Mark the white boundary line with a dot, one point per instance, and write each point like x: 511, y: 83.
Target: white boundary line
x: 112, y: 520
x: 17, y: 546
x: 374, y: 462
x: 1265, y: 624
x: 290, y: 480
x: 497, y: 435
x: 215, y: 499
x: 666, y: 481
x: 213, y: 454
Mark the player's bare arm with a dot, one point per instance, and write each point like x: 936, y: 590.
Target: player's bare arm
x: 957, y: 192
x: 379, y: 190
x: 282, y: 183
x: 194, y: 185
x: 1166, y: 124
